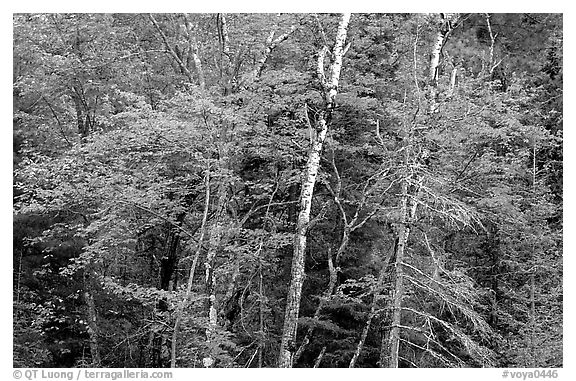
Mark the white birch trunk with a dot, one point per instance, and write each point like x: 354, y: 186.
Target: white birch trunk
x: 435, y: 56
x: 271, y: 44
x: 311, y: 172
x: 453, y: 78
x: 444, y: 30
x: 195, y: 53
x: 226, y: 63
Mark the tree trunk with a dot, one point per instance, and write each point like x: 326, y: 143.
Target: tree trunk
x: 193, y: 43
x: 93, y: 331
x: 493, y: 248
x: 491, y: 62
x: 171, y: 50
x: 408, y: 207
x: 210, y: 280
x: 397, y: 301
x: 297, y: 274
x: 271, y: 44
x: 229, y: 300
x: 169, y: 262
x: 298, y: 259
x: 453, y: 79
x: 399, y: 282
x: 82, y: 118
x: 446, y: 25
x: 533, y: 269
x: 349, y: 227
x: 364, y: 334
x: 319, y: 358
x: 408, y: 213
x: 261, y: 341
x: 227, y: 77
x: 184, y: 302
x: 215, y: 242
x: 329, y: 291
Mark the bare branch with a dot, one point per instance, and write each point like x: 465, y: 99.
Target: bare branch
x: 271, y: 44
x: 171, y: 49
x: 186, y: 232
x: 57, y: 120
x: 319, y: 359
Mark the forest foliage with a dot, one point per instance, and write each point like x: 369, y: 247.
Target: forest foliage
x: 159, y: 162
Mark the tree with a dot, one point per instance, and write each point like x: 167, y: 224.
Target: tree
x: 329, y: 85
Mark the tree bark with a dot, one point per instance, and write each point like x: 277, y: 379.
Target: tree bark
x: 193, y: 43
x: 533, y: 269
x: 494, y: 250
x: 226, y: 73
x: 93, y: 331
x: 184, y: 302
x: 215, y: 241
x: 271, y: 44
x: 453, y: 79
x: 171, y: 50
x: 320, y: 356
x: 389, y: 355
x: 311, y: 172
x: 261, y: 332
x: 229, y: 298
x: 82, y: 114
x: 408, y: 214
x: 491, y: 62
x: 349, y: 227
x: 446, y: 25
x: 329, y: 291
x: 399, y: 284
x: 169, y: 261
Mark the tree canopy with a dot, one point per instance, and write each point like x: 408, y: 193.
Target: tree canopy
x: 287, y: 190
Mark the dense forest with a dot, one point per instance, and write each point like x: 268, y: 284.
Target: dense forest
x: 287, y: 190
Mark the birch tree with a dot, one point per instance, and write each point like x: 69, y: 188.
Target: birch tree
x: 272, y: 41
x: 446, y: 24
x: 174, y: 52
x: 329, y: 84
